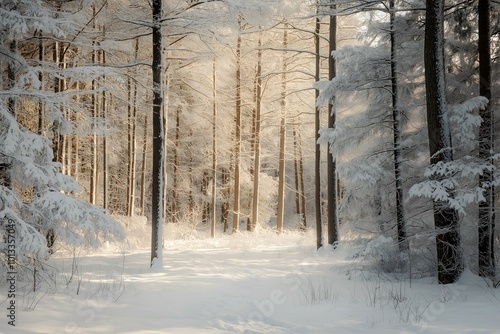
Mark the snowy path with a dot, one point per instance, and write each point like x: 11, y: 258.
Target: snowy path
x: 264, y: 290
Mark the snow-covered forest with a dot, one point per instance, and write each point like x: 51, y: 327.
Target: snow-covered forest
x: 358, y: 136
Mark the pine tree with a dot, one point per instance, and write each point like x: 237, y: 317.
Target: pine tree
x: 35, y: 196
x: 450, y: 262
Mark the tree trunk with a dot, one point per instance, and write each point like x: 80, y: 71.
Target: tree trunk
x: 175, y: 190
x: 281, y: 167
x: 396, y: 126
x: 256, y: 150
x: 130, y: 147
x: 191, y: 181
x: 237, y: 155
x: 333, y: 229
x: 214, y: 152
x: 486, y: 228
x: 165, y: 126
x: 93, y: 168
x: 76, y: 140
x: 105, y: 180
x: 317, y: 154
x: 41, y: 57
x: 302, y: 184
x: 225, y: 174
x: 157, y: 177
x: 449, y: 257
x: 132, y: 139
x: 296, y: 171
x: 143, y: 169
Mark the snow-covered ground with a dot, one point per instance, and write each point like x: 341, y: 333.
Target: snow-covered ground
x: 260, y: 283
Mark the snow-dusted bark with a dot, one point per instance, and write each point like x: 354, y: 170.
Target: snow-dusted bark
x: 449, y: 256
x: 214, y: 151
x: 396, y: 126
x: 282, y: 147
x: 333, y: 228
x: 157, y: 180
x: 237, y: 138
x: 486, y: 228
x: 257, y: 139
x: 317, y: 122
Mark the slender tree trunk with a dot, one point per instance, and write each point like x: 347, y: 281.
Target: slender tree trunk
x: 205, y: 205
x: 317, y: 154
x: 104, y: 106
x: 214, y: 152
x: 41, y: 57
x: 237, y: 163
x: 281, y: 167
x: 76, y: 141
x: 450, y: 262
x: 57, y: 138
x: 175, y: 174
x: 165, y: 126
x: 302, y: 184
x: 296, y: 171
x: 486, y: 228
x: 256, y: 150
x: 130, y: 145
x: 191, y: 180
x: 157, y: 177
x: 93, y: 168
x: 133, y: 160
x: 333, y: 229
x: 143, y: 169
x: 396, y: 126
x: 132, y: 141
x: 225, y: 174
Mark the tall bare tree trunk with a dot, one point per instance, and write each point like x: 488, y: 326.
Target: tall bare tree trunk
x: 256, y: 150
x: 333, y: 228
x: 237, y: 153
x: 191, y: 180
x: 76, y: 140
x: 396, y: 127
x: 175, y: 174
x: 486, y: 228
x: 129, y: 146
x: 94, y: 167
x: 449, y: 256
x: 214, y: 151
x: 41, y: 57
x: 281, y: 166
x: 225, y: 175
x: 104, y: 106
x: 143, y: 169
x: 296, y: 171
x: 317, y: 124
x: 302, y: 184
x: 158, y: 137
x: 132, y: 138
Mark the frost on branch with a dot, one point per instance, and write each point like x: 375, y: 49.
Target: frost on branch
x: 448, y: 183
x: 453, y: 182
x: 465, y: 122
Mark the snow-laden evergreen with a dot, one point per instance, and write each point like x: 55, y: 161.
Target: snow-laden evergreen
x: 34, y: 194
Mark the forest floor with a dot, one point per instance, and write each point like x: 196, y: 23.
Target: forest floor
x: 244, y: 284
